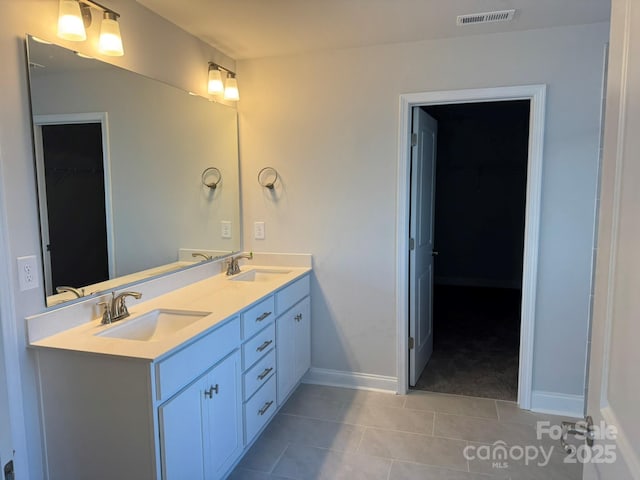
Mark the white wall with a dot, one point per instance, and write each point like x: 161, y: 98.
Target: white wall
x: 329, y: 123
x: 153, y: 47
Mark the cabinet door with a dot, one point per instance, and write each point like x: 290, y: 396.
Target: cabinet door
x: 222, y: 416
x: 293, y: 347
x: 285, y: 354
x: 302, y: 343
x: 181, y: 435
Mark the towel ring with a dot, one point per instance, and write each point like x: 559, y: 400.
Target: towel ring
x: 208, y: 172
x: 267, y: 177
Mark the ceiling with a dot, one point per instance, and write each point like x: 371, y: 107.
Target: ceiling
x: 263, y: 28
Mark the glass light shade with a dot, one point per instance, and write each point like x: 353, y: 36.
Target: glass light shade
x: 215, y: 85
x: 231, y: 89
x: 70, y: 23
x: 110, y: 42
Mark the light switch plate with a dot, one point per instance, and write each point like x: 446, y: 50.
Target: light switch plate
x: 225, y: 227
x: 258, y: 230
x: 28, y: 273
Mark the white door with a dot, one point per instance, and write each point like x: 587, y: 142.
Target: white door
x: 614, y: 381
x: 423, y: 176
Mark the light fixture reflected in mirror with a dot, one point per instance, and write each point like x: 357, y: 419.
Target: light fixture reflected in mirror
x: 216, y: 86
x: 74, y: 17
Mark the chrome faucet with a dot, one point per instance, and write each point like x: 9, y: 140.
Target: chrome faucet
x: 232, y: 264
x: 78, y: 292
x: 198, y: 254
x: 117, y: 308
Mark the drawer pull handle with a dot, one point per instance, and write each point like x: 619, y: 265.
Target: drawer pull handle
x: 298, y: 317
x: 264, y: 409
x: 209, y: 393
x: 266, y: 372
x: 264, y: 345
x: 263, y: 316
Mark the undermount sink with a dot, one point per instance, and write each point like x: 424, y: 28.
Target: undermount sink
x: 259, y: 275
x: 154, y: 325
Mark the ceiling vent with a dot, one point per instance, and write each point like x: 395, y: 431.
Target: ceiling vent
x: 486, y: 17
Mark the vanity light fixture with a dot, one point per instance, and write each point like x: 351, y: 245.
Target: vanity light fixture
x: 216, y: 86
x: 74, y: 18
x: 70, y: 22
x: 110, y: 40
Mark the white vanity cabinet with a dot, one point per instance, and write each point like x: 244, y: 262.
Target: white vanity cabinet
x: 200, y: 428
x: 293, y: 336
x: 189, y: 411
x: 178, y: 417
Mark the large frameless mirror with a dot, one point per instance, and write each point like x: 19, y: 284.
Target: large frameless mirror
x: 136, y: 178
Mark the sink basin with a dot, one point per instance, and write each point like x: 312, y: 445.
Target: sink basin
x: 154, y: 325
x: 259, y: 275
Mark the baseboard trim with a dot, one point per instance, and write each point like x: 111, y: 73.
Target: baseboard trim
x: 557, y: 403
x: 361, y: 381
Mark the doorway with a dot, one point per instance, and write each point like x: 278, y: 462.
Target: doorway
x: 477, y: 253
x: 534, y: 96
x: 73, y: 193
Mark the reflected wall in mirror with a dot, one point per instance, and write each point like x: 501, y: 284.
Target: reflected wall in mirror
x: 119, y: 162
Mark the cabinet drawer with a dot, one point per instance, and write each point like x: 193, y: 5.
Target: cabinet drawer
x: 256, y: 317
x: 258, y: 346
x: 259, y: 409
x: 183, y: 366
x: 289, y: 296
x: 259, y: 374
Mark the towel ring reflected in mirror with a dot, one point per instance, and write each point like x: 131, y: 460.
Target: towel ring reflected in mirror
x: 209, y: 174
x: 267, y: 177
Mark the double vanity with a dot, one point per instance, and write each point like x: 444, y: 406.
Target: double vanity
x: 180, y: 388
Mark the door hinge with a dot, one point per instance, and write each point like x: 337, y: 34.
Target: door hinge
x: 411, y: 342
x: 414, y: 139
x: 412, y: 244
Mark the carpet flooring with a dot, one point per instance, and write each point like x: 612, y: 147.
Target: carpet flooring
x: 476, y: 343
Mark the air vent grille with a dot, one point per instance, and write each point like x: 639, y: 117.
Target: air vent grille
x: 486, y: 17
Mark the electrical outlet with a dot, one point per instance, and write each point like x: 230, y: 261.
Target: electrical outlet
x: 28, y: 273
x: 225, y: 228
x: 258, y: 230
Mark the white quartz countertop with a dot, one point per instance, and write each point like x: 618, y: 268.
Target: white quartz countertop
x: 219, y: 294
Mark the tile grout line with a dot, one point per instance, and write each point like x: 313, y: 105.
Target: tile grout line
x: 364, y: 430
x: 433, y: 427
x: 275, y: 464
x: 390, y: 468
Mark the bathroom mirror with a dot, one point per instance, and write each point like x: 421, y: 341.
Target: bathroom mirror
x: 121, y: 162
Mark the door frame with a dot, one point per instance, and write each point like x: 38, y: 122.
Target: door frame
x: 537, y: 95
x: 66, y: 119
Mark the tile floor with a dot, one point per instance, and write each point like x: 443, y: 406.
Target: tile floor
x: 336, y: 433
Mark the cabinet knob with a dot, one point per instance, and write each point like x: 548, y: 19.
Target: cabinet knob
x: 212, y: 389
x: 263, y: 316
x: 298, y: 317
x: 264, y: 409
